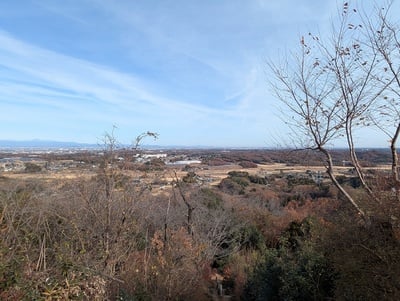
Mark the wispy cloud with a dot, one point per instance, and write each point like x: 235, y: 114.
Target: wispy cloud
x: 48, y: 71
x: 58, y: 84
x: 193, y: 71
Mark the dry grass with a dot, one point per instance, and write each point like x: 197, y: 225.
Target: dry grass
x: 214, y: 173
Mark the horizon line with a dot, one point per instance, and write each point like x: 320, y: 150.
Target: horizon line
x: 43, y: 144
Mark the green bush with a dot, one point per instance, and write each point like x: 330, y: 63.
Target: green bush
x: 251, y: 238
x: 241, y: 181
x: 235, y: 173
x: 32, y: 167
x: 211, y: 199
x: 296, y: 180
x: 296, y: 270
x: 354, y: 182
x: 258, y: 180
x: 228, y: 185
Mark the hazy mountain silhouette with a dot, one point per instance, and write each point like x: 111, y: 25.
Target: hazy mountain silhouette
x: 37, y: 143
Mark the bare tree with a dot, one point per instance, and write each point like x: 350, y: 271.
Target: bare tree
x: 331, y: 87
x: 308, y: 89
x: 355, y: 69
x: 189, y: 205
x: 107, y: 220
x: 382, y: 37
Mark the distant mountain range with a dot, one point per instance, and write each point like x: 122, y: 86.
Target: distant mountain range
x: 36, y: 143
x: 47, y: 144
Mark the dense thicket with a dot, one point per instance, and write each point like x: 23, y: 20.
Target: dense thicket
x: 111, y: 238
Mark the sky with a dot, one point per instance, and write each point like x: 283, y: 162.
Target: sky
x: 192, y: 71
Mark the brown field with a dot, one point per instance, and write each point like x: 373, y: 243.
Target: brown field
x: 214, y: 174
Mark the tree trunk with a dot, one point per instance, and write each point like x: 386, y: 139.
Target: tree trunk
x: 189, y: 206
x: 395, y: 161
x: 329, y: 170
x: 356, y: 163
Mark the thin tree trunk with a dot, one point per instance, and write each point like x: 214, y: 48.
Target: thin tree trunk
x: 166, y: 223
x: 189, y: 206
x: 329, y: 170
x: 395, y: 161
x: 356, y: 163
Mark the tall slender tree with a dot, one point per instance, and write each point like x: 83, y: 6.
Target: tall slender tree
x: 331, y: 87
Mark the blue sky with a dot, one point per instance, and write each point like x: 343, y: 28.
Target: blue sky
x: 193, y: 71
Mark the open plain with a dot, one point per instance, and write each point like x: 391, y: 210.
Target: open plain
x: 99, y: 224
